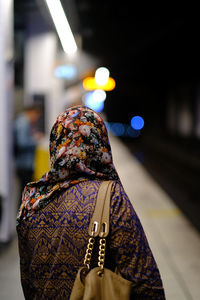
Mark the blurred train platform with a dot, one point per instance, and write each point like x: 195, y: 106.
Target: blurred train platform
x: 174, y: 241
x: 175, y: 164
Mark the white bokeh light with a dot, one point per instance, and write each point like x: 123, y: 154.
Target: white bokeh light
x: 99, y: 96
x: 102, y: 76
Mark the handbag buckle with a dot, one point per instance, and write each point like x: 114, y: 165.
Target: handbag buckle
x: 94, y: 228
x: 104, y: 227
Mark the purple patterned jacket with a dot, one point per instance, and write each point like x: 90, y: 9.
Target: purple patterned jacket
x: 53, y: 241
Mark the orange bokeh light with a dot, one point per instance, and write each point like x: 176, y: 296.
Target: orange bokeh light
x: 89, y: 84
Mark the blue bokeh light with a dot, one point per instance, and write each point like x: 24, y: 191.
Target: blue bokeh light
x: 95, y: 105
x: 118, y: 129
x: 137, y: 122
x: 66, y: 72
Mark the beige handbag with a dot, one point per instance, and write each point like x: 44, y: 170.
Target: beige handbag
x: 100, y: 283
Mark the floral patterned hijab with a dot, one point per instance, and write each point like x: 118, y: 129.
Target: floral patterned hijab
x: 79, y: 150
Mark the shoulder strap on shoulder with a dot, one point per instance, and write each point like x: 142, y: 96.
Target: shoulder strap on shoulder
x: 99, y: 224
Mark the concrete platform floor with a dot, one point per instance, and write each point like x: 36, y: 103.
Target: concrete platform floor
x: 174, y: 241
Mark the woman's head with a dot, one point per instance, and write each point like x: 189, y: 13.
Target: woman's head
x: 79, y: 143
x: 79, y: 150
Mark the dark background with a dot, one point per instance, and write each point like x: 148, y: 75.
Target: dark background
x: 150, y: 56
x: 154, y: 58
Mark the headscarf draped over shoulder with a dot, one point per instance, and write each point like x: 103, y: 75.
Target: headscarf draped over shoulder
x: 79, y: 150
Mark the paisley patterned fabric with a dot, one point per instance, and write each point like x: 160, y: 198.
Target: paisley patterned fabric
x: 79, y: 150
x: 53, y: 241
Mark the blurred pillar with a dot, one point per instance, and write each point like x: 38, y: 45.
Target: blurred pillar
x: 39, y: 63
x: 7, y: 219
x: 40, y: 53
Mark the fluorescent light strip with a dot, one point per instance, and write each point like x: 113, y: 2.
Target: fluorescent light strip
x: 62, y: 26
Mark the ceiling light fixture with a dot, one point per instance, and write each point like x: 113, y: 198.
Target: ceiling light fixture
x: 62, y: 26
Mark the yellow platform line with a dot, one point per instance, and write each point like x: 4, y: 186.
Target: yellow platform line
x: 172, y: 212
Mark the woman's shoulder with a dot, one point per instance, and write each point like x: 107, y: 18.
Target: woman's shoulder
x: 118, y: 196
x: 86, y: 192
x: 88, y: 185
x: 92, y: 185
x: 117, y: 192
x: 120, y: 202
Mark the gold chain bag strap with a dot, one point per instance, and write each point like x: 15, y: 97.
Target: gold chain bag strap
x: 100, y: 283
